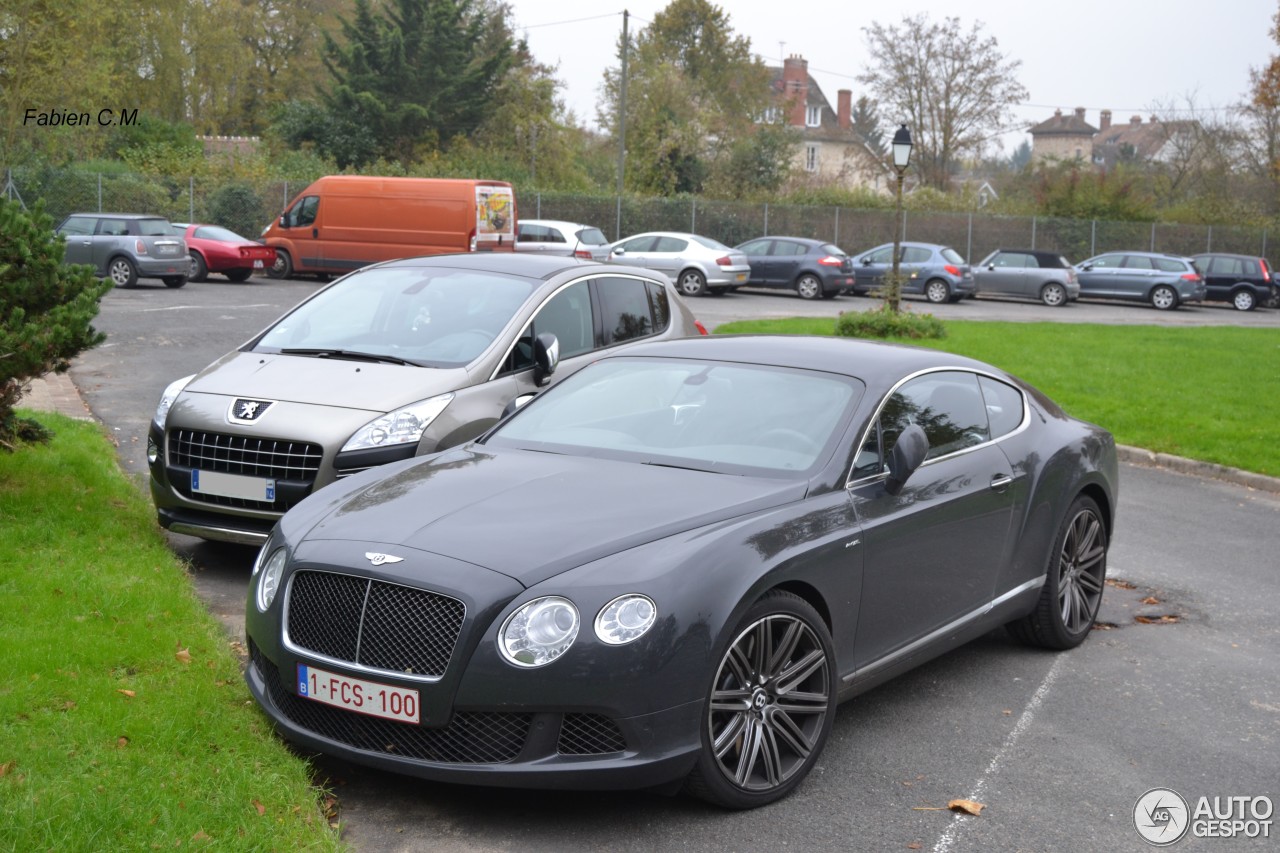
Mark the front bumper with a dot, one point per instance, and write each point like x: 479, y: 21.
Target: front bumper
x: 534, y: 747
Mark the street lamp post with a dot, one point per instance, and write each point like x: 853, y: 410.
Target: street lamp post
x: 901, y: 157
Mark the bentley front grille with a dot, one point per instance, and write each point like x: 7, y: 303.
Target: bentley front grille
x: 373, y: 624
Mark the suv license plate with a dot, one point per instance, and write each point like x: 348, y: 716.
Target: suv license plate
x: 233, y: 486
x: 354, y: 694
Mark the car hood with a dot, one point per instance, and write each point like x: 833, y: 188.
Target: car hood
x: 335, y: 382
x: 532, y: 515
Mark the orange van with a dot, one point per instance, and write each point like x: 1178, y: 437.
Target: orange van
x: 344, y: 222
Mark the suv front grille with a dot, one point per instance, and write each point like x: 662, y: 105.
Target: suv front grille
x: 291, y: 462
x: 379, y: 625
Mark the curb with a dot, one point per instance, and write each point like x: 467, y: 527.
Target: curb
x: 1211, y: 470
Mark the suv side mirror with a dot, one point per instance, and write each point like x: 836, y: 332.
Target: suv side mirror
x: 546, y: 355
x: 907, y: 455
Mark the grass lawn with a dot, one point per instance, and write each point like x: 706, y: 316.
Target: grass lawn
x: 124, y: 721
x: 1206, y: 392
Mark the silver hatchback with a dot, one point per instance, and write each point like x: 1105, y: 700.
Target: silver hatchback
x: 698, y: 265
x: 392, y: 361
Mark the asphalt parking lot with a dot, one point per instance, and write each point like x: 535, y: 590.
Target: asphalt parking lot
x: 1058, y: 747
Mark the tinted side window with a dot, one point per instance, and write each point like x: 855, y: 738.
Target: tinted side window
x: 670, y: 244
x: 1106, y: 261
x: 1171, y: 265
x: 531, y: 233
x: 553, y: 235
x: 1004, y: 405
x: 948, y: 406
x: 915, y: 255
x: 786, y: 247
x: 567, y: 315
x: 624, y: 309
x: 756, y: 248
x: 881, y: 256
x: 1138, y: 262
x: 302, y: 213
x: 660, y: 305
x: 113, y: 227
x: 640, y: 244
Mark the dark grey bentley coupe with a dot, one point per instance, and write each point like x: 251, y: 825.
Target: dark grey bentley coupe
x: 668, y: 569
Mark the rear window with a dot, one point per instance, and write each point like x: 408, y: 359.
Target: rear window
x: 832, y: 249
x: 592, y: 237
x: 952, y: 256
x: 710, y: 244
x: 1170, y: 265
x: 153, y: 227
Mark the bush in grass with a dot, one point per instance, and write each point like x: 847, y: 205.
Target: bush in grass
x: 45, y: 312
x: 883, y: 323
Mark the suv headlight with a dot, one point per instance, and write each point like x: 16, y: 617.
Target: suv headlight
x: 399, y: 427
x: 166, y: 399
x: 539, y: 632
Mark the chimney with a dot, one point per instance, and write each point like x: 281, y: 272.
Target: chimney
x: 1104, y: 120
x: 844, y: 113
x: 795, y: 88
x: 1080, y: 113
x: 1134, y: 121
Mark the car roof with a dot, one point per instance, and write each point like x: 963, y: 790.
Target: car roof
x: 120, y: 215
x: 877, y: 363
x: 530, y: 265
x: 1228, y: 255
x: 1041, y: 254
x: 808, y: 241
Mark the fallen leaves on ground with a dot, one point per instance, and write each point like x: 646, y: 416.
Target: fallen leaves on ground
x: 1150, y: 599
x: 257, y: 804
x: 128, y: 693
x: 1166, y: 619
x: 183, y: 655
x: 970, y: 806
x: 1119, y: 584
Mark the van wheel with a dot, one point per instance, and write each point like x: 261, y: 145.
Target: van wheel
x: 283, y: 267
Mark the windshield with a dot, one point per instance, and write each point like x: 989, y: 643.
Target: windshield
x: 217, y: 232
x: 705, y: 415
x: 429, y: 316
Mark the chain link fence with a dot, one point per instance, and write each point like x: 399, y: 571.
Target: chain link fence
x: 247, y: 208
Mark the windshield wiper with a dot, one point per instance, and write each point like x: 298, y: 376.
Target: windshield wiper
x: 353, y: 355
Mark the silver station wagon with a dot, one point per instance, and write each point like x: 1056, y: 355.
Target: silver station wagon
x: 392, y: 361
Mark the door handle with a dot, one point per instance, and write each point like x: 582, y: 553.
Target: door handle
x: 1001, y: 482
x: 315, y: 232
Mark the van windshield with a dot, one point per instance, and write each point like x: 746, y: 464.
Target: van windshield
x: 429, y: 317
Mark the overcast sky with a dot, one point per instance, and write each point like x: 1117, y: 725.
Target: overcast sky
x: 1129, y: 57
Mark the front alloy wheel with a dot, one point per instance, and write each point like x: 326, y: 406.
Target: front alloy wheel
x: 770, y: 706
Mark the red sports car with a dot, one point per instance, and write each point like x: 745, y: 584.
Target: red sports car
x: 216, y: 249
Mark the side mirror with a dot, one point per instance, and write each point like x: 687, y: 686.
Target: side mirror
x: 1086, y: 267
x: 618, y: 251
x: 866, y: 262
x: 546, y: 355
x: 515, y: 403
x: 991, y: 266
x: 907, y: 455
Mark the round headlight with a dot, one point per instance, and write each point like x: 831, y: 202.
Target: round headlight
x: 269, y: 582
x: 626, y: 618
x: 539, y: 632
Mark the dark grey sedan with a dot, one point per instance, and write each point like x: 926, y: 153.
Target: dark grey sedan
x: 666, y: 571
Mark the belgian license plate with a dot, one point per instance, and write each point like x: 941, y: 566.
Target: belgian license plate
x: 257, y: 265
x: 354, y: 694
x: 742, y: 276
x: 233, y: 486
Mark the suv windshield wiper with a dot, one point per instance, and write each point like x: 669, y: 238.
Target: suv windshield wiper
x: 353, y: 355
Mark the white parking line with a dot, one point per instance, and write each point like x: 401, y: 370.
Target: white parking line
x: 194, y: 307
x: 959, y: 821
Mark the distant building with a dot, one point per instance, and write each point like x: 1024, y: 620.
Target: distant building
x: 1063, y: 138
x: 830, y: 151
x: 229, y: 146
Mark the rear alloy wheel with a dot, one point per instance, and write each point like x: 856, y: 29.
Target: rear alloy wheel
x: 770, y: 706
x: 809, y: 286
x: 1076, y: 574
x: 1164, y: 298
x: 1053, y: 294
x: 1244, y: 300
x: 937, y: 291
x: 123, y: 272
x: 693, y: 283
x: 283, y: 267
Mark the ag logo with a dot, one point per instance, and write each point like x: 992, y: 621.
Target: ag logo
x: 1161, y: 817
x: 244, y: 411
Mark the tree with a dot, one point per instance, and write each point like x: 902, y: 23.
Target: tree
x: 1262, y: 112
x: 866, y: 121
x: 952, y: 88
x: 694, y: 91
x: 418, y: 74
x: 45, y: 312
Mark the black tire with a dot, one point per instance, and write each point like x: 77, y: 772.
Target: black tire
x: 693, y: 283
x: 1053, y: 294
x: 199, y: 269
x: 122, y: 271
x: 1164, y: 297
x: 174, y: 281
x: 809, y: 286
x: 937, y: 291
x: 769, y: 706
x: 238, y: 275
x: 283, y: 267
x: 1244, y: 300
x: 1076, y: 575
